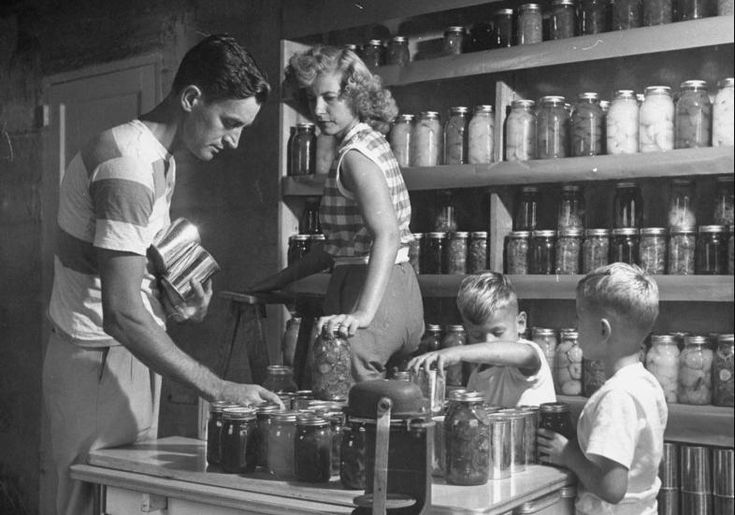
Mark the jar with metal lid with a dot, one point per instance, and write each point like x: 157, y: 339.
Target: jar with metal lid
x: 279, y: 378
x: 239, y: 453
x: 432, y: 256
x: 723, y: 211
x: 331, y: 374
x: 622, y: 123
x: 467, y: 437
x: 477, y: 255
x: 681, y: 204
x: 723, y: 114
x: 723, y: 381
x: 595, y: 249
x: 214, y: 431
x: 445, y: 221
x: 503, y: 28
x: 352, y: 456
x: 520, y: 131
x: 309, y: 222
x: 656, y: 120
x: 693, y: 9
x: 551, y: 128
x: 525, y: 218
x: 662, y: 360
x: 593, y: 376
x: 301, y: 399
x: 594, y: 17
x: 568, y: 251
x: 303, y: 150
x: 542, y: 252
x: 652, y: 250
x: 432, y: 339
x: 401, y: 136
x: 570, y: 214
x: 455, y: 136
x: 312, y: 449
x: 316, y: 241
x: 454, y: 40
x: 414, y: 251
x: 281, y: 436
x: 481, y: 135
x: 517, y: 252
x: 262, y: 423
x: 624, y: 248
x: 568, y: 364
x: 298, y: 247
x: 626, y: 14
x: 682, y: 248
x: 657, y: 12
x: 530, y: 21
x: 693, y: 115
x: 711, y: 250
x: 336, y: 421
x: 555, y: 416
x: 326, y: 151
x: 627, y: 205
x: 480, y: 36
x: 546, y: 339
x: 398, y: 53
x: 372, y: 53
x: 427, y: 139
x: 563, y: 20
x: 454, y: 335
x: 695, y: 371
x: 587, y: 126
x: 456, y: 262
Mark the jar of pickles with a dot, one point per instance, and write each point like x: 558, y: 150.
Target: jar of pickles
x: 657, y: 12
x: 627, y: 205
x: 695, y: 372
x: 312, y: 449
x: 454, y: 40
x: 398, y: 53
x: 467, y: 437
x: 503, y: 28
x: 546, y: 339
x: 711, y: 250
x: 594, y: 17
x: 331, y: 374
x: 555, y: 416
x: 525, y: 218
x: 455, y: 137
x: 723, y: 113
x: 563, y: 20
x: 414, y: 251
x: 587, y: 126
x: 622, y: 123
x: 662, y: 360
x: 570, y: 214
x: 454, y: 335
x: 477, y: 255
x: 624, y: 248
x: 481, y: 135
x: 456, y: 262
x: 693, y: 115
x: 517, y: 252
x: 626, y: 14
x: 529, y: 24
x: 352, y: 456
x: 568, y: 251
x: 372, y: 54
x: 303, y: 150
x: 593, y: 376
x: 427, y: 139
x: 595, y: 249
x: 568, y: 365
x: 681, y: 204
x: 432, y: 256
x: 542, y: 252
x: 682, y: 248
x: 551, y: 128
x: 723, y: 211
x: 723, y: 381
x: 520, y: 131
x: 656, y: 120
x: 401, y: 136
x: 239, y: 454
x: 652, y: 250
x: 432, y: 339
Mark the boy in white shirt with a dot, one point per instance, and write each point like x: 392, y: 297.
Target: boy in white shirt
x: 620, y: 433
x: 512, y: 371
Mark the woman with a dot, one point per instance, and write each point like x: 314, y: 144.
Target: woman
x: 373, y: 295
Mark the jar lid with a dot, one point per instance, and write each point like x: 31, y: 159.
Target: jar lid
x: 279, y: 369
x: 305, y: 125
x: 238, y: 413
x: 552, y: 99
x: 470, y: 396
x: 554, y: 407
x: 663, y: 339
x: 455, y: 28
x: 519, y: 234
x: 530, y: 7
x: 589, y: 95
x: 625, y: 93
x: 267, y: 408
x: 503, y: 12
x: 568, y: 333
x: 726, y: 338
x: 484, y: 108
x: 429, y: 114
x: 570, y: 233
x: 399, y: 39
x: 682, y: 230
x: 375, y: 42
x: 478, y: 234
x: 727, y: 82
x: 460, y: 234
x: 652, y: 231
x: 694, y: 84
x: 544, y: 233
x: 695, y: 340
x: 433, y: 327
x: 512, y: 413
x: 318, y: 237
x: 604, y: 105
x: 302, y: 394
x: 711, y: 228
x: 458, y: 328
x: 657, y: 90
x: 542, y: 331
x: 311, y: 419
x: 570, y: 187
x: 523, y: 102
x: 625, y: 231
x: 300, y: 237
x: 283, y: 416
x: 459, y: 110
x: 563, y: 2
x: 625, y: 185
x: 418, y: 235
x: 437, y: 235
x: 597, y: 232
x: 406, y: 117
x: 218, y: 406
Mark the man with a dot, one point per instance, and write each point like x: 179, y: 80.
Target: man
x: 101, y: 381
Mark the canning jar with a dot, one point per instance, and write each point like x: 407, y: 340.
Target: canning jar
x: 427, y: 134
x: 520, y: 131
x: 480, y: 37
x: 627, y: 205
x: 455, y: 136
x: 657, y: 12
x: 398, y: 51
x: 570, y: 214
x: 453, y: 43
x: 262, y: 423
x: 331, y: 375
x: 595, y: 249
x: 279, y: 378
x: 525, y: 218
x: 624, y: 248
x: 626, y: 14
x: 656, y: 120
x: 281, y: 436
x: 312, y: 449
x: 467, y: 437
x: 551, y: 128
x: 542, y: 252
x: 711, y: 250
x: 432, y: 260
x: 456, y: 262
x: 336, y: 421
x: 563, y: 20
x: 503, y: 28
x: 568, y: 251
x: 529, y: 24
x: 594, y: 17
x: 681, y: 204
x: 401, y: 136
x: 301, y: 399
x: 593, y: 376
x: 622, y: 123
x: 693, y: 115
x: 352, y: 455
x: 546, y: 339
x: 662, y: 360
x: 587, y: 126
x: 214, y: 431
x: 239, y: 452
x: 432, y: 339
x: 517, y: 252
x: 481, y: 135
x: 723, y: 382
x: 723, y: 211
x: 652, y: 250
x: 681, y: 253
x: 326, y: 151
x: 303, y: 150
x: 695, y: 372
x: 477, y: 255
x: 316, y: 241
x: 693, y: 9
x: 568, y: 364
x: 298, y: 247
x: 454, y: 335
x: 414, y: 251
x: 555, y: 416
x: 723, y: 133
x: 309, y: 222
x: 372, y: 53
x: 444, y: 220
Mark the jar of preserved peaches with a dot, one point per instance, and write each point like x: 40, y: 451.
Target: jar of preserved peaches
x: 239, y: 454
x: 432, y: 256
x: 530, y: 21
x: 622, y: 123
x: 454, y: 335
x: 723, y: 210
x: 427, y: 139
x: 723, y: 113
x: 502, y: 28
x: 481, y: 135
x: 398, y: 53
x: 372, y: 54
x: 517, y: 252
x: 312, y: 449
x: 656, y: 120
x: 693, y: 115
x: 594, y: 17
x: 551, y: 128
x: 587, y: 126
x: 568, y: 251
x: 563, y: 20
x: 595, y: 249
x: 695, y: 372
x: 455, y: 136
x: 331, y: 373
x: 626, y: 14
x: 681, y: 204
x: 662, y: 360
x: 456, y: 262
x: 525, y: 218
x: 467, y: 437
x: 627, y: 205
x: 568, y: 365
x: 624, y: 248
x: 454, y: 40
x: 570, y: 214
x: 711, y: 250
x: 652, y: 250
x: 681, y: 251
x: 723, y: 381
x: 542, y: 256
x: 401, y: 136
x: 546, y: 339
x: 477, y: 255
x: 658, y: 12
x: 520, y: 131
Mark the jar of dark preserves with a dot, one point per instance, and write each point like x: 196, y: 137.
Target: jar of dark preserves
x: 551, y: 128
x: 503, y: 25
x: 542, y: 252
x: 454, y: 335
x: 456, y: 262
x: 454, y: 40
x: 467, y: 437
x: 432, y: 339
x: 309, y: 222
x: 595, y: 249
x: 568, y: 251
x: 263, y: 421
x: 312, y: 449
x: 279, y: 378
x: 657, y: 12
x: 693, y: 116
x: 682, y: 249
x: 652, y: 250
x: 214, y: 431
x: 477, y: 255
x: 239, y: 452
x: 624, y: 248
x: 280, y: 450
x: 352, y: 456
x: 555, y: 416
x: 570, y: 214
x: 432, y: 259
x: 304, y: 150
x: 298, y: 247
x: 723, y: 381
x: 711, y: 250
x: 693, y: 9
x: 414, y: 251
x: 480, y: 37
x: 594, y: 17
x: 331, y: 375
x: 455, y: 136
x: 587, y: 126
x: 517, y: 253
x: 626, y: 14
x: 372, y: 53
x: 628, y: 205
x: 525, y: 218
x: 563, y: 20
x: 398, y: 53
x: 529, y: 24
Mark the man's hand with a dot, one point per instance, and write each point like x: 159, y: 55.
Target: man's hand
x: 345, y: 325
x: 552, y: 447
x: 195, y: 307
x: 248, y: 394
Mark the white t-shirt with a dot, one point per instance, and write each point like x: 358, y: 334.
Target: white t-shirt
x: 624, y: 421
x: 508, y: 387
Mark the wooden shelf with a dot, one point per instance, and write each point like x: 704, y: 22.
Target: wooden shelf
x: 699, y: 425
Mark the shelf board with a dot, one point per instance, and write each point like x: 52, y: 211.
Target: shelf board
x: 699, y: 425
x: 716, y: 30
x: 689, y: 288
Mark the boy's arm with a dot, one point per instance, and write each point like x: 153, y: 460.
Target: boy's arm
x: 502, y: 353
x: 605, y: 478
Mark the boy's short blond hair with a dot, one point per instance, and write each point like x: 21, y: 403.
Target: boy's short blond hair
x: 624, y: 290
x: 483, y: 294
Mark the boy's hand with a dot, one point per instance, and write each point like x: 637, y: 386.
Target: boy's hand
x: 436, y: 359
x: 551, y: 447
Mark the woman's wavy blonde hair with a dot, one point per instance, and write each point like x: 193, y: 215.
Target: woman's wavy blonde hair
x: 371, y: 102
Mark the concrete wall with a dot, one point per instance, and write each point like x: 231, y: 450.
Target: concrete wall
x: 233, y: 199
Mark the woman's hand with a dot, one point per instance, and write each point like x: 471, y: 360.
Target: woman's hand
x: 551, y: 447
x: 345, y: 325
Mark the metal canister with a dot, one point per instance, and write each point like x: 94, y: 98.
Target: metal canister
x: 696, y: 503
x: 531, y: 416
x: 668, y: 469
x: 696, y: 474
x: 517, y: 439
x: 500, y: 446
x: 723, y: 473
x: 668, y: 501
